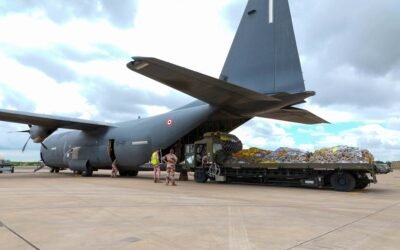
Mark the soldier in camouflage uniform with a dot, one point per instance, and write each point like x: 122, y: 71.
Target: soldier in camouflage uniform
x: 171, y: 160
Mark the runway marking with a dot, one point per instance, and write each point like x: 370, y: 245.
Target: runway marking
x: 19, y: 236
x: 345, y: 225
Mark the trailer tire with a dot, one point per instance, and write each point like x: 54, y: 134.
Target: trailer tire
x: 361, y: 184
x: 200, y: 176
x: 362, y: 181
x: 344, y: 181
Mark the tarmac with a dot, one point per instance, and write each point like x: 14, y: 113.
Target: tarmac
x: 63, y: 211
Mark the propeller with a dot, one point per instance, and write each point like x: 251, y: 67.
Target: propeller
x: 37, y: 134
x: 26, y: 143
x: 25, y: 131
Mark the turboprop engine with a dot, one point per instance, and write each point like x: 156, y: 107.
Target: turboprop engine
x: 38, y: 134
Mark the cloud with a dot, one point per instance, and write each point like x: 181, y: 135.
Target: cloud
x: 117, y: 102
x: 233, y: 12
x: 383, y: 142
x: 350, y: 55
x: 120, y: 14
x: 14, y: 100
x: 48, y: 65
x: 264, y: 133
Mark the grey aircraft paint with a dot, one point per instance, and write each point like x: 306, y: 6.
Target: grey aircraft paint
x: 270, y: 63
x: 263, y: 59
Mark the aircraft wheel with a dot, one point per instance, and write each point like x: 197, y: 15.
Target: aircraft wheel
x: 133, y: 173
x: 88, y: 172
x: 57, y: 170
x: 52, y: 170
x: 123, y: 173
x: 128, y: 173
x: 344, y: 182
x: 200, y: 176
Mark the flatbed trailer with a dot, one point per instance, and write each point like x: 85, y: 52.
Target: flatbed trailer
x: 339, y: 176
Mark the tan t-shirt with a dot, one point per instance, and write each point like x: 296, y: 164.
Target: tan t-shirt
x: 171, y: 160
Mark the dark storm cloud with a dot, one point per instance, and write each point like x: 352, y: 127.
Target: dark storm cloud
x: 121, y: 103
x: 120, y: 13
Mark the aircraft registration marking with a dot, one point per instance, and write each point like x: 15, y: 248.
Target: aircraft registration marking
x: 54, y: 148
x: 271, y: 11
x: 140, y: 142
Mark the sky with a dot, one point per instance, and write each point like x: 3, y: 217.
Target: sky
x: 69, y: 58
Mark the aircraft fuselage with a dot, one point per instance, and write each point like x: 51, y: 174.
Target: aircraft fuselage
x: 133, y: 142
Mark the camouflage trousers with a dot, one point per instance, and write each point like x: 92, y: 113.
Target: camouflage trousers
x: 156, y: 173
x: 170, y: 175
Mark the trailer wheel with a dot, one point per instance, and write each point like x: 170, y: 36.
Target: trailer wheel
x: 200, y: 176
x: 362, y: 181
x: 361, y: 185
x: 344, y: 182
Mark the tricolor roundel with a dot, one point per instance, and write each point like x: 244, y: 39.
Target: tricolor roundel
x: 169, y: 122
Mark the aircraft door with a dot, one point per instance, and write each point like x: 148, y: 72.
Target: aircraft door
x: 110, y: 149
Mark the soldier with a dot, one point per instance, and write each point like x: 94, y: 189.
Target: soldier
x: 114, y: 169
x: 171, y: 160
x: 155, y: 161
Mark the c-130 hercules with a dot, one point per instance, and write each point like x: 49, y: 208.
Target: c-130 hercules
x: 261, y: 77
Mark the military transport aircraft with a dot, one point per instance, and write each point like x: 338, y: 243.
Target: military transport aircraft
x: 261, y: 77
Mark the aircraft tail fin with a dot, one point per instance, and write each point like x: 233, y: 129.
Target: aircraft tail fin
x: 264, y: 56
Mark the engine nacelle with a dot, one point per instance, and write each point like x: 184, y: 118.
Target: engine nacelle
x: 39, y: 133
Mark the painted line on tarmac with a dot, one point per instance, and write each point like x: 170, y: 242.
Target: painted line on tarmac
x: 345, y: 225
x: 19, y: 236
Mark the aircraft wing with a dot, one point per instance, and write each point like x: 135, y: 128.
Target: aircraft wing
x: 230, y: 97
x: 50, y: 121
x: 291, y: 114
x: 200, y: 86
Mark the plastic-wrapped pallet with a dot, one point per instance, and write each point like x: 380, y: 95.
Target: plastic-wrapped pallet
x: 342, y: 154
x: 287, y: 155
x: 252, y: 155
x: 338, y: 154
